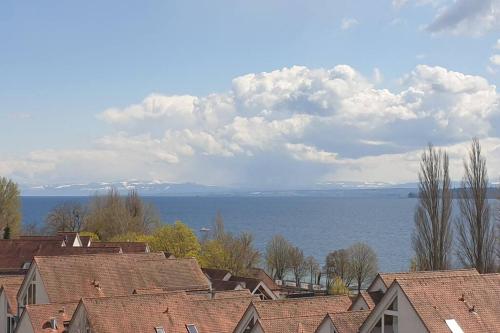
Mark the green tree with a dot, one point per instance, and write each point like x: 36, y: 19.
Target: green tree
x: 177, y: 239
x: 10, y: 206
x: 338, y: 287
x: 224, y: 250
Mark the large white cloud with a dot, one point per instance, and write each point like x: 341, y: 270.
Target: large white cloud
x: 291, y: 126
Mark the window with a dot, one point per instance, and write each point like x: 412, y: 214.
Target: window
x: 159, y: 329
x: 32, y: 293
x: 10, y: 324
x: 191, y: 328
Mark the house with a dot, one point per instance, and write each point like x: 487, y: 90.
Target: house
x: 445, y: 301
x: 366, y: 300
x: 17, y: 254
x: 45, y: 318
x: 305, y: 312
x: 68, y: 278
x: 158, y: 313
x: 127, y: 247
x: 9, y: 286
x: 342, y: 322
x: 222, y: 279
x: 71, y: 239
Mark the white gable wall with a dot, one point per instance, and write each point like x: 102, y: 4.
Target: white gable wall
x: 24, y: 324
x: 41, y: 294
x: 3, y: 312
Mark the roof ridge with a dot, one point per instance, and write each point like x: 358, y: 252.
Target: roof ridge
x: 437, y: 271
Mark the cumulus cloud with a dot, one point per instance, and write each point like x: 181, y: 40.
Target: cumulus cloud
x: 467, y: 17
x: 293, y: 126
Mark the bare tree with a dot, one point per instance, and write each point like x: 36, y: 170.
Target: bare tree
x: 68, y: 216
x: 476, y: 233
x: 363, y: 263
x: 433, y: 235
x: 313, y: 268
x: 297, y: 264
x: 10, y: 208
x: 338, y: 265
x: 277, y: 257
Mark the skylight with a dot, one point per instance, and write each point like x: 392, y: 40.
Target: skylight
x: 159, y: 329
x: 191, y: 328
x: 453, y: 325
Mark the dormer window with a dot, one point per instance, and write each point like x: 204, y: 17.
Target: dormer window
x: 191, y: 328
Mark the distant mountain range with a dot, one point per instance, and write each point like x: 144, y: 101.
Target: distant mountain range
x: 159, y: 188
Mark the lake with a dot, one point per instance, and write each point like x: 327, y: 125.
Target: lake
x: 318, y: 225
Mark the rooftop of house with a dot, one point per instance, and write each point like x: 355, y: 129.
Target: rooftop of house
x: 371, y: 298
x: 388, y: 278
x: 172, y: 311
x: 10, y: 285
x: 40, y: 316
x: 68, y: 278
x: 349, y: 321
x: 216, y: 273
x: 260, y: 274
x: 221, y: 285
x: 301, y: 307
x: 471, y: 300
x: 15, y: 253
x: 127, y: 247
x: 299, y: 324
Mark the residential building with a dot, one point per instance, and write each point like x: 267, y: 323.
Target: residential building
x: 158, y: 313
x: 45, y: 318
x: 342, y: 322
x: 9, y: 286
x: 293, y: 312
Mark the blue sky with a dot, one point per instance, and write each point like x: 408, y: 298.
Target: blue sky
x: 111, y: 90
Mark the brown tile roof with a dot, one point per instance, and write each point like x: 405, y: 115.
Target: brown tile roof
x: 221, y: 285
x: 371, y: 298
x: 127, y: 247
x: 388, y: 278
x: 348, y: 322
x: 472, y: 300
x: 85, y: 240
x: 41, y: 314
x: 301, y: 307
x: 302, y: 324
x: 10, y: 285
x: 14, y: 253
x: 68, y: 278
x: 260, y: 274
x: 216, y: 273
x: 172, y: 311
x: 198, y: 295
x: 246, y: 282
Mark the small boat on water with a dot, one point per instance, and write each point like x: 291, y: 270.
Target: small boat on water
x: 204, y: 229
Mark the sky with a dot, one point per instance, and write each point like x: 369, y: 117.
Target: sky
x: 275, y: 93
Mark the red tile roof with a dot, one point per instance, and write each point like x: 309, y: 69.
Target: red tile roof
x: 302, y: 324
x: 388, y: 278
x: 371, y: 298
x: 473, y: 301
x: 41, y: 314
x: 10, y: 285
x: 301, y: 307
x: 260, y: 274
x: 348, y: 322
x: 172, y: 311
x: 127, y: 247
x: 14, y: 253
x: 216, y: 273
x: 68, y: 278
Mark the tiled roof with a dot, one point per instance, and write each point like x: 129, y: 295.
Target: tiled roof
x: 371, y: 298
x: 260, y: 274
x: 14, y: 253
x: 221, y: 285
x: 215, y: 273
x: 85, y: 240
x: 348, y: 322
x: 388, y: 278
x: 68, y: 278
x: 301, y: 307
x: 172, y: 311
x: 198, y: 295
x: 41, y: 314
x: 10, y: 285
x: 246, y: 282
x: 302, y: 324
x: 127, y: 247
x: 472, y: 300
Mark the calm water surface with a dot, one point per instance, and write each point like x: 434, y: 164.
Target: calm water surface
x: 315, y: 224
